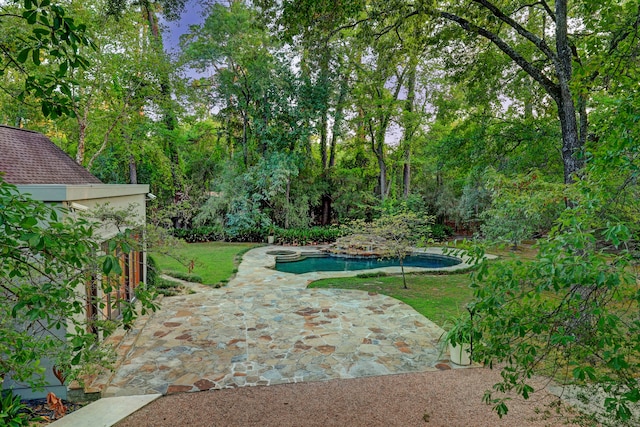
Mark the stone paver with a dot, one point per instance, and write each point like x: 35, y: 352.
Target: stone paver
x: 266, y: 328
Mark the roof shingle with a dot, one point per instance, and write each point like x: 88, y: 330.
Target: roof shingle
x: 28, y: 157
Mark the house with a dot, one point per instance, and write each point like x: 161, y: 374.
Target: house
x: 36, y: 166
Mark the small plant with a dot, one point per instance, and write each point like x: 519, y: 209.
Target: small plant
x: 459, y: 338
x: 13, y: 412
x: 372, y: 275
x: 193, y: 278
x: 460, y: 332
x: 168, y: 288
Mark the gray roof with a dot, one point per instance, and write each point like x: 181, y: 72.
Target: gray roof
x: 28, y: 157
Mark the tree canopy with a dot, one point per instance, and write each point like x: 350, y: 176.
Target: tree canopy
x: 502, y: 120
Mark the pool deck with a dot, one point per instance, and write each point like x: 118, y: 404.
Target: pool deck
x: 265, y: 327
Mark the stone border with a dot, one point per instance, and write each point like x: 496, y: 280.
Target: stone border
x: 297, y: 252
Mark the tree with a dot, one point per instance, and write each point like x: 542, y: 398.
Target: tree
x: 326, y: 72
x: 235, y: 45
x: 400, y: 233
x: 566, y: 65
x: 572, y: 313
x: 49, y: 256
x: 41, y: 33
x: 162, y: 98
x: 521, y: 207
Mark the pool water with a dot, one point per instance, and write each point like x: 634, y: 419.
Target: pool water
x: 335, y: 263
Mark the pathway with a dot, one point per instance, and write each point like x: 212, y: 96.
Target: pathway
x: 266, y: 328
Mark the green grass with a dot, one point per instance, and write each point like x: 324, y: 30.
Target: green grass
x: 437, y: 297
x: 214, y: 262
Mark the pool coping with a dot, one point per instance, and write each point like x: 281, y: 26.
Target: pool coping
x: 466, y: 264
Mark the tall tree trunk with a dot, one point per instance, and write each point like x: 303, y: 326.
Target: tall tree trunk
x: 288, y: 202
x: 406, y: 173
x: 378, y: 147
x: 325, y: 150
x: 573, y: 134
x: 409, y: 130
x: 327, y: 198
x: 82, y: 134
x: 133, y: 170
x: 245, y: 139
x: 571, y: 141
x: 166, y: 102
x: 382, y: 164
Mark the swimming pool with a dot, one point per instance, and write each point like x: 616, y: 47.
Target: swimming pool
x: 308, y: 264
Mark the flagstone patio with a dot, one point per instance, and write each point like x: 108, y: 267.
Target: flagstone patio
x: 265, y: 327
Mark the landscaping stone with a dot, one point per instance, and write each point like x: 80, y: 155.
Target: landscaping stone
x: 265, y: 327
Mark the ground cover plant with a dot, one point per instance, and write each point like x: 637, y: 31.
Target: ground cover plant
x: 214, y: 262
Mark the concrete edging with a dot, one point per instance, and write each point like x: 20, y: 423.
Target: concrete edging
x: 105, y: 412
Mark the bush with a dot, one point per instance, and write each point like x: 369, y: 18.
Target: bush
x: 292, y: 236
x: 306, y: 236
x: 152, y: 271
x: 168, y: 288
x: 200, y: 234
x: 441, y: 232
x: 248, y: 235
x: 187, y: 277
x: 371, y: 275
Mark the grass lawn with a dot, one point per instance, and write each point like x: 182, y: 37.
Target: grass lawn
x: 437, y: 297
x: 215, y: 262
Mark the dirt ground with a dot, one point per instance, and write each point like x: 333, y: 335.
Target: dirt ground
x: 445, y: 398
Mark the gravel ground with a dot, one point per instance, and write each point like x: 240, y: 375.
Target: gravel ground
x: 444, y: 398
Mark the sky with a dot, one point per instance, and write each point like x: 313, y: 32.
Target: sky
x: 192, y: 15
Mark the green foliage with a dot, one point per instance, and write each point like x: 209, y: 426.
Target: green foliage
x: 572, y: 313
x: 440, y: 232
x: 370, y: 275
x: 48, y: 256
x: 200, y: 234
x: 213, y: 261
x: 247, y: 235
x: 168, y: 288
x: 187, y: 277
x: 12, y: 410
x: 49, y: 37
x: 475, y: 199
x: 308, y: 236
x: 152, y: 271
x: 266, y: 195
x: 520, y: 207
x: 459, y: 330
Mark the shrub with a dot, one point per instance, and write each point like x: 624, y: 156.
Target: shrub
x: 371, y: 275
x: 291, y: 236
x: 187, y: 277
x: 306, y: 236
x: 441, y: 232
x: 248, y: 235
x: 200, y: 234
x: 152, y: 271
x: 168, y: 288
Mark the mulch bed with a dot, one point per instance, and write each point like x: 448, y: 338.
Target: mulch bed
x: 41, y: 413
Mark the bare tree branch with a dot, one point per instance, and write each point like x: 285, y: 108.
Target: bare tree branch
x: 538, y: 42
